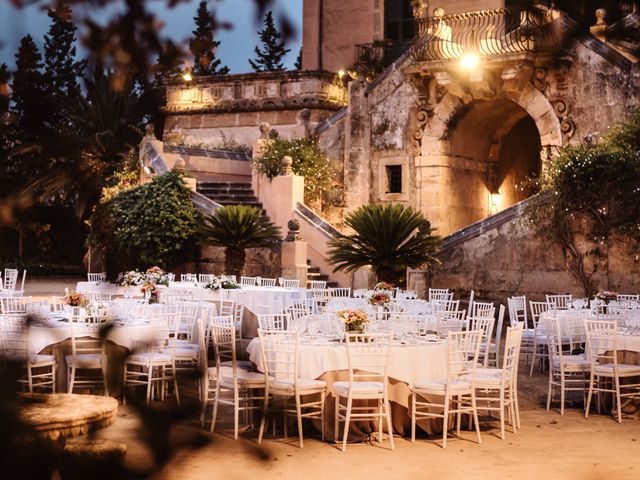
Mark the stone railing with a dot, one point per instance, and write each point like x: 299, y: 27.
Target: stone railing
x: 264, y: 91
x: 487, y: 32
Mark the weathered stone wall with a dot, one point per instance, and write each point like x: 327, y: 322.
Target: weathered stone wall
x: 261, y: 262
x: 512, y: 259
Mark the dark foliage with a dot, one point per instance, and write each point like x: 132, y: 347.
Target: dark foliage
x: 269, y: 58
x: 203, y: 46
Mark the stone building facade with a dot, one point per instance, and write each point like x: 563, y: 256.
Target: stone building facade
x: 453, y: 140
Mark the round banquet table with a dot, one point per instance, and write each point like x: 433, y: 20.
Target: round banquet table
x: 327, y: 360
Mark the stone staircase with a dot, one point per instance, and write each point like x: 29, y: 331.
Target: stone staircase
x: 229, y: 193
x: 313, y: 274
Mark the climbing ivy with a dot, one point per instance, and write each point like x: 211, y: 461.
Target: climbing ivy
x: 599, y: 188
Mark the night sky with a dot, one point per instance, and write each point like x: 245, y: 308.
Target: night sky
x: 236, y: 45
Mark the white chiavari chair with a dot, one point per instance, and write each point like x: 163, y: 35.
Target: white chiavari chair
x: 458, y: 388
x: 498, y: 386
x: 439, y: 294
x: 368, y: 356
x: 206, y: 278
x: 189, y: 277
x: 267, y: 282
x: 14, y: 305
x: 559, y: 302
x: 339, y: 292
x: 602, y: 348
x: 453, y: 321
x: 273, y: 321
x: 567, y: 372
x: 483, y: 309
x: 445, y: 305
x: 484, y: 325
x: 494, y: 347
x: 280, y: 360
x: 539, y: 338
x: 15, y: 347
x: 249, y: 281
x: 87, y: 363
x: 97, y: 277
x: 317, y: 284
x: 290, y: 283
x: 10, y: 278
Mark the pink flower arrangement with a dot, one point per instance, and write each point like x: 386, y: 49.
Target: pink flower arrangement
x: 354, y: 320
x: 379, y: 299
x: 74, y: 299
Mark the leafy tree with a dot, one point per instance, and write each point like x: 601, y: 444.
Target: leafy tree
x: 238, y: 227
x: 203, y: 46
x: 389, y: 238
x: 269, y: 59
x: 169, y: 64
x: 61, y: 69
x: 150, y: 224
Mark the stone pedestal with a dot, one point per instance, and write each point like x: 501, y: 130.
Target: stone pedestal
x: 190, y: 182
x: 294, y: 261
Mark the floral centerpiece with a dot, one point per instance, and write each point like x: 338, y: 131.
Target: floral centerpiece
x: 222, y: 281
x: 383, y: 286
x: 135, y: 278
x: 150, y: 292
x: 379, y: 299
x: 607, y: 296
x: 354, y: 320
x: 74, y: 299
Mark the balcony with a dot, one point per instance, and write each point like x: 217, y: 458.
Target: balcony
x: 488, y: 32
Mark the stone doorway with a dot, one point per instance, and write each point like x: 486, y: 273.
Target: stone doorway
x: 492, y: 148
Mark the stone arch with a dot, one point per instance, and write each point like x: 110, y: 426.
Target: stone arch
x: 442, y: 164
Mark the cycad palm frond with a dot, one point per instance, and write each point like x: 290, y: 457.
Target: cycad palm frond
x: 389, y: 238
x: 239, y: 227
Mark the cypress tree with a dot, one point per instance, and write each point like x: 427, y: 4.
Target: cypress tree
x: 269, y: 59
x: 203, y: 46
x: 28, y: 87
x: 298, y: 64
x: 62, y: 70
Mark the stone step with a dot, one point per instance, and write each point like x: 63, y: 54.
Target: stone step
x: 235, y: 198
x: 206, y: 188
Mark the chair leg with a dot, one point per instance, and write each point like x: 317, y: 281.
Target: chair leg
x: 214, y: 414
x: 336, y: 419
x: 562, y: 394
x: 380, y: 413
x: 550, y: 390
x: 617, y: 399
x: 263, y: 420
x: 299, y: 415
x: 533, y: 358
x: 71, y: 379
x: 445, y: 421
x: 387, y: 407
x: 347, y: 419
x: 502, y: 413
x: 413, y: 416
x: 475, y: 414
x: 322, y: 401
x: 236, y: 413
x: 589, y: 396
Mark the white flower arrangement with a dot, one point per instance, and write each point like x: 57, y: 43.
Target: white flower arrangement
x: 223, y: 282
x: 153, y: 276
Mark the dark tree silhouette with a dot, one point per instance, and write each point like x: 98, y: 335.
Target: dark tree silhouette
x: 269, y: 58
x: 28, y: 87
x: 298, y: 64
x: 62, y: 69
x: 203, y: 46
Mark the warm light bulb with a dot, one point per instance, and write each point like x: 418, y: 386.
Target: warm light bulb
x: 186, y: 76
x: 341, y: 73
x: 470, y: 61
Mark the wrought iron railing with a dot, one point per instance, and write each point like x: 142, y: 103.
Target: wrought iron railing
x: 486, y: 32
x: 373, y: 58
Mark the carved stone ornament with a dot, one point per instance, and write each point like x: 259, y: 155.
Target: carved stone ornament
x: 294, y: 230
x: 264, y: 128
x: 149, y: 132
x: 286, y: 165
x: 560, y: 106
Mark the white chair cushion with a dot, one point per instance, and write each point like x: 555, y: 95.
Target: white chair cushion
x: 181, y: 353
x: 245, y: 379
x: 155, y: 357
x: 623, y: 369
x: 358, y: 388
x: 246, y: 365
x: 182, y: 343
x: 42, y: 360
x: 439, y: 386
x: 488, y: 377
x: 84, y: 360
x: 224, y: 371
x: 287, y: 387
x: 573, y: 362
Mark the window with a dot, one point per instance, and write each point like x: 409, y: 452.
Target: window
x: 394, y: 179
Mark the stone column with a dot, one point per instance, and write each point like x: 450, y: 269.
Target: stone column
x: 294, y: 254
x: 357, y: 147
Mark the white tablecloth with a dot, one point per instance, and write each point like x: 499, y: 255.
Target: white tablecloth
x: 407, y: 363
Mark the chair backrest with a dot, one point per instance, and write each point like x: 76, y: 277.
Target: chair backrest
x: 483, y: 309
x: 250, y: 281
x: 279, y: 350
x: 463, y: 350
x: 85, y: 337
x: 472, y: 295
x: 14, y: 336
x: 339, y: 292
x: 273, y: 321
x: 206, y: 277
x: 290, y: 283
x: 98, y: 296
x: 223, y: 336
x: 406, y: 295
x: 498, y: 334
x: 484, y: 325
x: 10, y: 278
x: 368, y: 355
x: 439, y: 294
x: 560, y: 302
x: 230, y: 294
x: 602, y: 341
x: 267, y: 282
x: 207, y: 310
x: 518, y: 310
x: 445, y: 305
x: 173, y: 295
x: 97, y: 277
x: 317, y: 284
x: 189, y: 277
x: 453, y: 321
x: 14, y: 305
x: 537, y: 309
x: 512, y: 352
x: 171, y: 277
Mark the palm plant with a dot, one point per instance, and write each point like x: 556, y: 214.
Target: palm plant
x: 388, y: 238
x: 238, y: 227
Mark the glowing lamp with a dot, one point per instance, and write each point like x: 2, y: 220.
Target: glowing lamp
x: 470, y: 61
x: 186, y: 76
